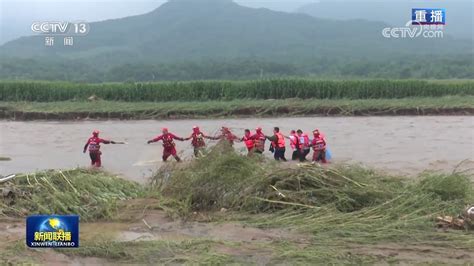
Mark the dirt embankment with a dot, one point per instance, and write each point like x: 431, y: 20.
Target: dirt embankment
x: 6, y: 113
x: 248, y: 244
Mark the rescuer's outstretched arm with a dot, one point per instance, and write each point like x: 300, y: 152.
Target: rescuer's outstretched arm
x: 190, y: 137
x: 177, y: 138
x: 211, y: 137
x: 155, y: 139
x: 272, y: 138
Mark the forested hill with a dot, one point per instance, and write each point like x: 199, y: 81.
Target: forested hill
x: 195, y: 39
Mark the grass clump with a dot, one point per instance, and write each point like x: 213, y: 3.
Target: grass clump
x: 342, y: 203
x: 453, y: 187
x: 212, y: 182
x: 225, y: 179
x: 88, y: 193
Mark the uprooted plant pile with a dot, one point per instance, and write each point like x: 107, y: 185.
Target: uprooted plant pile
x: 225, y: 179
x: 88, y: 193
x: 328, y: 195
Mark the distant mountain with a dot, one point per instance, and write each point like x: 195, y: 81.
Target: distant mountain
x: 216, y: 31
x: 197, y: 29
x: 459, y: 13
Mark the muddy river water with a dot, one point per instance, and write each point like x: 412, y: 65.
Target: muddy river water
x: 400, y: 145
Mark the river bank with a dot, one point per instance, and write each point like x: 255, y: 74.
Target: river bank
x: 247, y: 212
x: 105, y: 110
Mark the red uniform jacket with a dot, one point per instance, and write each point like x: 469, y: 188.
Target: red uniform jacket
x: 94, y: 144
x: 259, y: 139
x: 303, y: 142
x: 293, y: 141
x: 198, y: 139
x: 230, y: 137
x: 249, y: 143
x: 318, y: 143
x: 167, y: 139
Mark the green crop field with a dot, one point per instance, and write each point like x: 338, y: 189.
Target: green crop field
x: 231, y: 90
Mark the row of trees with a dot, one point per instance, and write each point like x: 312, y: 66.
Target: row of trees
x: 461, y: 67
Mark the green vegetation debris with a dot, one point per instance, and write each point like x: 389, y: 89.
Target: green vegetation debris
x: 91, y: 194
x: 330, y: 202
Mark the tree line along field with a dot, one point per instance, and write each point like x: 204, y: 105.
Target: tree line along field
x: 39, y: 91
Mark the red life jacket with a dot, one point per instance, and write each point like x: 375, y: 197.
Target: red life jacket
x: 198, y: 140
x: 230, y: 137
x: 249, y: 143
x: 259, y: 141
x: 293, y: 141
x: 303, y: 141
x: 168, y: 141
x: 280, y: 142
x: 318, y: 143
x: 94, y: 144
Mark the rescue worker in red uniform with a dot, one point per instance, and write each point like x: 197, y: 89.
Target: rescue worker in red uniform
x: 294, y: 145
x: 198, y: 140
x: 259, y: 140
x: 303, y: 145
x: 278, y: 144
x: 94, y: 148
x: 249, y: 142
x: 319, y: 147
x: 228, y: 135
x: 169, y: 147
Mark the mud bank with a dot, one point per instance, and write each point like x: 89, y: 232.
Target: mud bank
x: 241, y: 112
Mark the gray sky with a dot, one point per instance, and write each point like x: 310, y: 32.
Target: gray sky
x: 105, y: 9
x: 16, y: 16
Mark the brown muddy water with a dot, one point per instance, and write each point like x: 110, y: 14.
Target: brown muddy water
x: 399, y: 145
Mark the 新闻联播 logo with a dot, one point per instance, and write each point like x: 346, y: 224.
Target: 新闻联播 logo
x: 55, y: 231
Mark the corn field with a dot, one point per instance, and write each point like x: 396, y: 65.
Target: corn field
x: 230, y: 90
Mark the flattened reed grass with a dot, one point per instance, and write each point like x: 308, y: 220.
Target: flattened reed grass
x: 91, y: 194
x: 359, y: 204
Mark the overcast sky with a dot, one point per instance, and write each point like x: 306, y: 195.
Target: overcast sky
x: 94, y: 10
x: 16, y: 16
x: 105, y: 9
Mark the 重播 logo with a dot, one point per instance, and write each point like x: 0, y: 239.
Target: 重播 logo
x: 428, y: 16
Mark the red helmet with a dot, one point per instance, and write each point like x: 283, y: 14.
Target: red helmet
x: 95, y: 133
x: 258, y: 129
x: 164, y: 130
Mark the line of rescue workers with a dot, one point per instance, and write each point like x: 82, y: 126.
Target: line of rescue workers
x: 300, y: 143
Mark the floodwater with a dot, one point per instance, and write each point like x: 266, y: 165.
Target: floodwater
x: 399, y: 145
